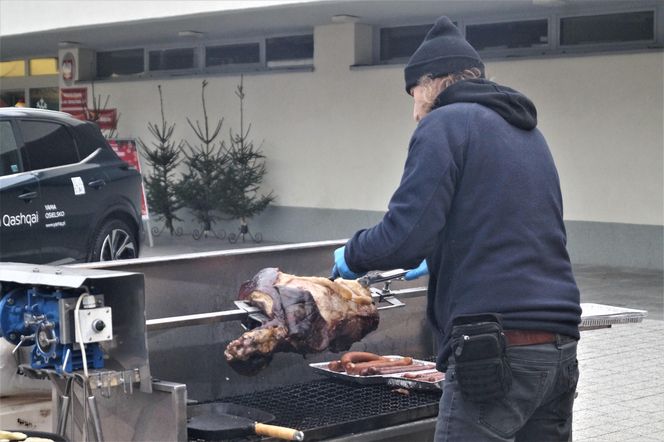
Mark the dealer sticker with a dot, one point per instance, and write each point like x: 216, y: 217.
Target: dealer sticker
x: 79, y: 188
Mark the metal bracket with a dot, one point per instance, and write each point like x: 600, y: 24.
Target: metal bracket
x: 255, y: 318
x: 392, y: 303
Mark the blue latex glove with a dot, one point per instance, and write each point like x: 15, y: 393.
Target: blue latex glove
x: 340, y: 268
x: 415, y: 273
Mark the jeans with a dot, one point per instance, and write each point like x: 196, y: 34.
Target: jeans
x: 538, y: 406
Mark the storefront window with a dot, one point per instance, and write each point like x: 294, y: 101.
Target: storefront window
x: 45, y: 98
x: 11, y: 97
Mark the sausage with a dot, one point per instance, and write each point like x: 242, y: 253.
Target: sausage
x: 425, y: 377
x: 359, y: 356
x: 352, y: 368
x: 335, y: 366
x: 392, y: 370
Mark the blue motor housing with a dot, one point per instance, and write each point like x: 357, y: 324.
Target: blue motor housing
x: 31, y: 316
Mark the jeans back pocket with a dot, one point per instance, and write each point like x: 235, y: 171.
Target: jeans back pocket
x: 505, y: 416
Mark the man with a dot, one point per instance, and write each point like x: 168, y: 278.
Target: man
x: 480, y: 202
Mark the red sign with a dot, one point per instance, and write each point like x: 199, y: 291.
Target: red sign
x: 108, y: 119
x: 73, y: 98
x: 126, y: 150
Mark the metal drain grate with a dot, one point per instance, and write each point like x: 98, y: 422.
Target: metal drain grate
x: 328, y: 408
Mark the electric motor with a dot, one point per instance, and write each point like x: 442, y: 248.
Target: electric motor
x: 58, y: 323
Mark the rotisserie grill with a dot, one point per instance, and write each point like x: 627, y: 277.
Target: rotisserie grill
x: 305, y: 315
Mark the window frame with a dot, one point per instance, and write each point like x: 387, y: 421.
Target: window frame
x: 494, y: 51
x: 378, y: 47
x: 123, y: 76
x: 553, y: 48
x: 26, y: 162
x: 197, y: 65
x: 610, y: 46
x: 283, y: 64
x: 18, y: 139
x: 236, y: 67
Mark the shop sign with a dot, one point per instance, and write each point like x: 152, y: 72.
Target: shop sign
x: 108, y: 119
x: 126, y: 150
x: 74, y: 98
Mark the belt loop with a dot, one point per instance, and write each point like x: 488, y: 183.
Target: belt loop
x: 559, y: 341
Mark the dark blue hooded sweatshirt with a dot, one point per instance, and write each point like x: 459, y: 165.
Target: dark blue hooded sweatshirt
x: 480, y: 200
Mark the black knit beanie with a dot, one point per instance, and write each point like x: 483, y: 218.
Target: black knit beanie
x: 443, y: 51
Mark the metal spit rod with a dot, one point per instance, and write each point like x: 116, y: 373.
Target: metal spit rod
x: 241, y: 314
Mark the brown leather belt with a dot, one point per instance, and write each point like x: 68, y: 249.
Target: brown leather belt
x: 528, y: 337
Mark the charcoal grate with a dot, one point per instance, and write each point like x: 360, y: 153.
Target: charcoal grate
x: 327, y: 408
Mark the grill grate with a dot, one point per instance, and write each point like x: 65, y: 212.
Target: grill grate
x: 328, y: 408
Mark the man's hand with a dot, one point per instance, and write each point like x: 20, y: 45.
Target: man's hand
x: 415, y: 273
x: 340, y: 267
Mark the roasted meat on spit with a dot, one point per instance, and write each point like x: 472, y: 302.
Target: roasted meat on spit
x: 306, y: 315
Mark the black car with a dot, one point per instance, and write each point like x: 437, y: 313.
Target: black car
x: 64, y: 194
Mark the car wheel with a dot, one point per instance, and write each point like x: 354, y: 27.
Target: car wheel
x: 114, y: 240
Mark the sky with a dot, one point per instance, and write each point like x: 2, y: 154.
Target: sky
x: 23, y: 16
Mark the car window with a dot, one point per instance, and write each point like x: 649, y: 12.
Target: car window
x: 8, y: 150
x: 46, y: 144
x: 88, y: 139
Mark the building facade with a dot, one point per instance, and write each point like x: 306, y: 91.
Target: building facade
x: 325, y: 97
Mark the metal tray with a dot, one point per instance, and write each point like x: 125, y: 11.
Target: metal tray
x: 598, y: 315
x: 397, y: 380
x: 321, y: 367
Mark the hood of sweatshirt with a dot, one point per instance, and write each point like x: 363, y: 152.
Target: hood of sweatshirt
x: 513, y: 106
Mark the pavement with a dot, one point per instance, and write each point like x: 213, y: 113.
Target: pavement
x: 621, y: 385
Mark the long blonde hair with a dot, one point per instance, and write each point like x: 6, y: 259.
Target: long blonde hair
x: 433, y: 87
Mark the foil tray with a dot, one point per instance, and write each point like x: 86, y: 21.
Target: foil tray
x: 393, y: 379
x: 397, y: 380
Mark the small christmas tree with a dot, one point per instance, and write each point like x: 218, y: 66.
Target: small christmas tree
x: 95, y: 113
x: 202, y: 185
x: 164, y: 157
x: 244, y: 174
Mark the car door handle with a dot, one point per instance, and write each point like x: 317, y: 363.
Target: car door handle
x: 27, y: 196
x: 97, y: 184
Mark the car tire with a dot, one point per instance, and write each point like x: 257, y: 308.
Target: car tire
x: 115, y: 239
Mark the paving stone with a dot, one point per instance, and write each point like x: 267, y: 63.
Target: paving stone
x: 621, y: 386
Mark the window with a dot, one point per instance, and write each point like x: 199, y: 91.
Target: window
x: 293, y: 50
x: 88, y: 139
x: 171, y: 59
x: 124, y: 62
x: 245, y: 53
x: 607, y: 28
x: 14, y: 68
x: 517, y: 34
x: 11, y: 97
x: 45, y: 98
x: 46, y: 145
x: 402, y: 41
x: 8, y: 150
x: 43, y: 66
